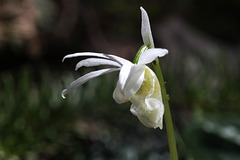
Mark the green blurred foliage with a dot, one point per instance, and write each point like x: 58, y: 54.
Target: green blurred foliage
x: 32, y: 114
x: 213, y: 137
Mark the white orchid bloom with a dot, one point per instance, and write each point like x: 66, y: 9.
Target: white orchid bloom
x: 137, y: 83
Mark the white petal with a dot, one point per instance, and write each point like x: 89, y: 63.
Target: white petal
x: 101, y: 55
x: 117, y: 95
x: 146, y: 30
x: 84, y: 54
x: 123, y: 76
x: 90, y: 62
x: 85, y: 78
x: 134, y: 80
x: 130, y: 80
x: 119, y: 60
x: 150, y: 55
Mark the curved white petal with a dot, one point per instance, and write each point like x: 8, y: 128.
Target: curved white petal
x: 101, y: 55
x: 119, y: 60
x: 123, y: 76
x: 117, y: 95
x: 84, y: 54
x: 130, y: 80
x: 150, y: 55
x: 85, y: 78
x: 134, y: 80
x: 146, y: 30
x: 90, y: 62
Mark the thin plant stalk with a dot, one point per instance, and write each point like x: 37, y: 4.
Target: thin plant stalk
x: 167, y: 113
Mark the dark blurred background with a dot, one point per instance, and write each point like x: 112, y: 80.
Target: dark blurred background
x: 201, y: 71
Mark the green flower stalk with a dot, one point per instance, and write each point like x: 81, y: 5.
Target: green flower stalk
x: 137, y: 83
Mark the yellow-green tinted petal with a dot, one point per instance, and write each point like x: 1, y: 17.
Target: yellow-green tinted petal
x: 147, y: 102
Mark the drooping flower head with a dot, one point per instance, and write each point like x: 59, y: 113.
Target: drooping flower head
x: 137, y: 83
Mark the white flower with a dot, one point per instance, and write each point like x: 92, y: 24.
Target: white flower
x: 137, y: 83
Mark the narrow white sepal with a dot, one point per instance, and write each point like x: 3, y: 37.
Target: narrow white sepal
x: 101, y: 55
x: 85, y: 78
x: 91, y: 62
x: 84, y: 54
x: 150, y: 55
x: 146, y: 30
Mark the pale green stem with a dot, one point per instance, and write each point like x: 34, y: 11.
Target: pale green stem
x: 167, y: 113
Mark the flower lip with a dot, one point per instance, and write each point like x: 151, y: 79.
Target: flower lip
x: 147, y: 102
